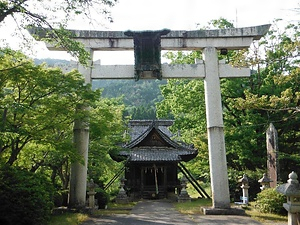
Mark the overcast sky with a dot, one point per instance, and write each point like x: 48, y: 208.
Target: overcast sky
x: 180, y: 15
x: 185, y: 14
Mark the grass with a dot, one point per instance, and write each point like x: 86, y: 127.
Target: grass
x: 263, y: 217
x: 193, y: 208
x: 78, y: 218
x: 194, y: 194
x: 114, y: 208
x: 68, y: 219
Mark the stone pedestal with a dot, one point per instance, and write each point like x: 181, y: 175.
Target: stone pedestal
x: 220, y: 211
x: 245, y: 198
x: 292, y: 190
x: 91, y: 195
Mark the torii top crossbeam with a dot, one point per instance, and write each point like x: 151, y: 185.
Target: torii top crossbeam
x: 234, y: 38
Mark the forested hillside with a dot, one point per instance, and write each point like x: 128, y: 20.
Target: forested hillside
x: 139, y: 97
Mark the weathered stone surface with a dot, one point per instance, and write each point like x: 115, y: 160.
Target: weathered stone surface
x: 291, y: 188
x: 256, y: 31
x: 235, y: 38
x: 272, y: 154
x: 223, y: 211
x: 265, y: 182
x: 169, y: 71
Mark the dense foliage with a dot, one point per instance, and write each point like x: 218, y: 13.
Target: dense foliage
x: 107, y: 126
x: 26, y: 197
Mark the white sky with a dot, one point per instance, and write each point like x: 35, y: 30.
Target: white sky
x: 177, y: 15
x: 184, y: 14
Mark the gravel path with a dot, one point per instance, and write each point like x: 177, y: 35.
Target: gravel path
x: 163, y: 213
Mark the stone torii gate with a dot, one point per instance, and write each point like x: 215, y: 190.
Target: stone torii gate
x: 211, y: 70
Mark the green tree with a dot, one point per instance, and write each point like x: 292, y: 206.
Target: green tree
x: 272, y: 93
x: 38, y: 109
x: 107, y: 127
x: 41, y: 12
x: 54, y: 16
x: 37, y: 104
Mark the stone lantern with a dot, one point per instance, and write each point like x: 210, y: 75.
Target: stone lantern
x: 245, y: 186
x: 291, y: 190
x: 184, y: 196
x: 91, y: 193
x: 264, y: 182
x: 122, y: 197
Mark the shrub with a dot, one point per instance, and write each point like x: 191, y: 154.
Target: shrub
x: 270, y: 201
x: 61, y: 198
x: 102, y: 198
x: 25, y: 197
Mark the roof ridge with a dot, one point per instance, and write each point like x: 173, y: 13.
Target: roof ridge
x: 141, y: 137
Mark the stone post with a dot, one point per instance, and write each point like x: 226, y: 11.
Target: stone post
x: 215, y: 129
x: 184, y: 196
x: 245, y: 186
x: 292, y: 190
x: 272, y: 154
x: 265, y: 182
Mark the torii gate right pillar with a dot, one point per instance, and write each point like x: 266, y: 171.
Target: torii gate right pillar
x: 215, y: 131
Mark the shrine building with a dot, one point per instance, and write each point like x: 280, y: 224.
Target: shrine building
x: 153, y: 160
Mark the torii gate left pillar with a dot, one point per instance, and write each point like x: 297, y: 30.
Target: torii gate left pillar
x: 211, y: 70
x: 78, y: 173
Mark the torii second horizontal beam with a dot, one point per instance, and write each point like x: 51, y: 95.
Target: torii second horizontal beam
x: 169, y: 71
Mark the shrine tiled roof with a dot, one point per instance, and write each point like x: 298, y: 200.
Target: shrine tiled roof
x: 159, y: 154
x: 139, y: 149
x: 137, y: 127
x: 159, y: 129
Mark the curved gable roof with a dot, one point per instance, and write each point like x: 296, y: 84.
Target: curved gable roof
x: 152, y: 130
x: 155, y: 145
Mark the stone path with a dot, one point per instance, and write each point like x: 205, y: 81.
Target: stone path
x: 163, y: 213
